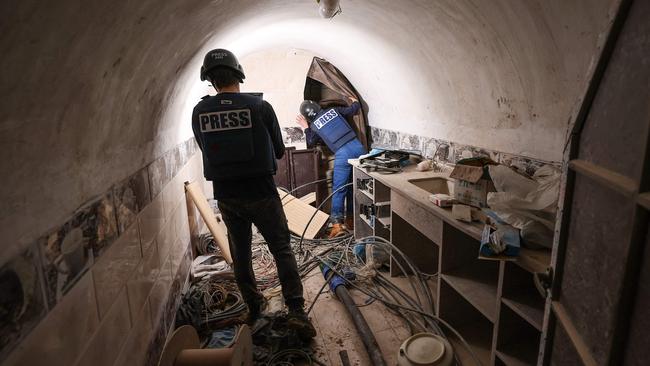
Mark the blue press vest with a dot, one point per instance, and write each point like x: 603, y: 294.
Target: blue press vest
x: 235, y: 142
x: 333, y: 129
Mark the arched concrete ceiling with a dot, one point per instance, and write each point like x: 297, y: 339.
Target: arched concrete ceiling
x: 92, y: 91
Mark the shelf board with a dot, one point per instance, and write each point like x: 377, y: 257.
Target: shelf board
x: 364, y: 219
x: 479, y: 337
x: 522, y: 353
x: 367, y: 194
x: 476, y: 288
x: 534, y: 261
x: 384, y: 221
x: 530, y: 309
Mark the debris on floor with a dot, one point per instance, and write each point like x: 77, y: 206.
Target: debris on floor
x: 213, y: 305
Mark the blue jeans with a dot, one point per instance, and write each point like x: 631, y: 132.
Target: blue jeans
x: 342, y: 201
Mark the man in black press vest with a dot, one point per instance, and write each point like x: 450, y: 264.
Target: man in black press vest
x: 240, y: 140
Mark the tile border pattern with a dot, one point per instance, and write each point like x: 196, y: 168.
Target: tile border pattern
x: 450, y: 151
x: 90, y: 231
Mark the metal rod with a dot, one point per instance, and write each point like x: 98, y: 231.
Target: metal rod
x: 345, y: 360
x: 363, y: 329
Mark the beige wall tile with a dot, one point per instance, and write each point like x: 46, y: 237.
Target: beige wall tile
x: 115, y: 267
x: 165, y: 240
x: 160, y: 292
x: 59, y: 339
x: 173, y: 192
x: 134, y: 351
x: 185, y: 173
x: 151, y: 221
x: 179, y: 249
x: 141, y: 282
x: 111, y: 335
x: 196, y: 167
x: 182, y: 222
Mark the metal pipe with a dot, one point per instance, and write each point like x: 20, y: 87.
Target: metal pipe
x: 337, y: 284
x: 363, y: 329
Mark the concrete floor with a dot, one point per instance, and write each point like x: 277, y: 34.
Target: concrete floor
x: 336, y: 331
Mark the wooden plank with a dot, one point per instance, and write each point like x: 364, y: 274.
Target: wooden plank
x: 534, y: 260
x: 477, y: 335
x: 517, y: 356
x: 476, y: 289
x: 578, y: 343
x: 196, y: 194
x: 605, y: 177
x: 526, y: 308
x: 644, y: 200
x: 299, y: 215
x: 309, y: 198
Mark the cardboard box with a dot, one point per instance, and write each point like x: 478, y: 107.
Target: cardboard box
x: 441, y: 200
x: 472, y: 181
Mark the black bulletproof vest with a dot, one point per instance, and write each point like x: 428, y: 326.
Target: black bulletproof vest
x: 234, y: 138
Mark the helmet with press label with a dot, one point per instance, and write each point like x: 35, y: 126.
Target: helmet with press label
x: 221, y: 58
x: 309, y: 109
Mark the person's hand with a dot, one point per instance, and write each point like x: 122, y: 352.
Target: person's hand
x: 353, y: 99
x: 302, y: 121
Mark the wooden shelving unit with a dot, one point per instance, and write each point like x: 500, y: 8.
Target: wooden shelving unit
x: 367, y: 194
x: 521, y: 296
x: 474, y: 327
x: 478, y: 290
x: 494, y: 305
x: 518, y: 340
x: 380, y: 198
x: 527, y: 309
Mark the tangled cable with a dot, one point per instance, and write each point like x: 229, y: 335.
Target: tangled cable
x: 208, y: 304
x: 206, y: 244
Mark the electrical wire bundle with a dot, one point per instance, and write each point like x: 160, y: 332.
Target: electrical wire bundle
x: 211, y: 303
x: 223, y: 301
x: 417, y: 311
x: 206, y: 244
x: 264, y: 264
x: 287, y: 356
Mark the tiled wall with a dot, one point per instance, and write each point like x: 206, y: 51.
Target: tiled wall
x: 110, y: 299
x: 451, y: 151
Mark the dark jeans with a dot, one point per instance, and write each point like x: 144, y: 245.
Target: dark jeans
x: 268, y: 216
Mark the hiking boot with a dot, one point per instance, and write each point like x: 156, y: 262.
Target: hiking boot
x: 255, y: 311
x: 297, y: 320
x: 337, y: 230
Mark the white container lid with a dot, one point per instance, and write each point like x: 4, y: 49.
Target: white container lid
x: 425, y: 349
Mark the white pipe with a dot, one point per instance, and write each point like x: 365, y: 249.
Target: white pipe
x: 328, y: 8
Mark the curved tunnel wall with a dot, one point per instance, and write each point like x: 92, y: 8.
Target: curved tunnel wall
x: 94, y: 94
x: 91, y: 93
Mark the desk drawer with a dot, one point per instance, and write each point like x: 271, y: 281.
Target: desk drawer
x: 424, y: 221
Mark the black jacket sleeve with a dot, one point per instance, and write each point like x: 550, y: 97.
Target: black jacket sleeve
x: 272, y: 125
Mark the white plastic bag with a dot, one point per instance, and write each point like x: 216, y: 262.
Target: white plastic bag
x: 520, y: 202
